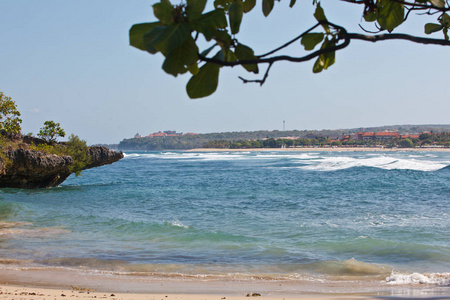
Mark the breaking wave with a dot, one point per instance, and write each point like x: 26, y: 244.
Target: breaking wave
x: 418, y: 278
x: 381, y: 162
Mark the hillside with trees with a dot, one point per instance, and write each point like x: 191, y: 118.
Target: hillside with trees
x: 264, y: 138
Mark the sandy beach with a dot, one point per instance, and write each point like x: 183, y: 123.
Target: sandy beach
x: 55, y: 283
x: 25, y: 293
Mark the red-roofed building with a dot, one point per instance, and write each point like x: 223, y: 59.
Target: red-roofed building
x: 410, y: 136
x: 378, y: 136
x: 159, y: 133
x: 386, y: 135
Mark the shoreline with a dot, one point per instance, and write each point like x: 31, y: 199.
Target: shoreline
x: 61, y: 283
x: 317, y: 149
x: 52, y: 283
x: 31, y: 293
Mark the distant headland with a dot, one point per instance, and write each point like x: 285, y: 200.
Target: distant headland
x: 387, y: 137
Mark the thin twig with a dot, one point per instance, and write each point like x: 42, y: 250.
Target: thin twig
x: 290, y: 42
x: 260, y: 81
x: 368, y: 31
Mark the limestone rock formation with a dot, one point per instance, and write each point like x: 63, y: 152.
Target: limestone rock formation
x: 25, y: 168
x: 34, y: 169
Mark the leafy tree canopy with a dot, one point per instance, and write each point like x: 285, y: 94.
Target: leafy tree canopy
x: 51, y: 131
x: 77, y: 149
x: 9, y: 115
x: 176, y: 35
x: 406, y: 143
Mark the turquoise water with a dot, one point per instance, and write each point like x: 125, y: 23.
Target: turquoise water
x: 258, y: 214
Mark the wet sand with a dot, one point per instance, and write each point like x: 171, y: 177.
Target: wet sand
x: 61, y: 283
x: 27, y: 293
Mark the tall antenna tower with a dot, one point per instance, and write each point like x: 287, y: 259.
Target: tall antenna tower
x: 284, y: 125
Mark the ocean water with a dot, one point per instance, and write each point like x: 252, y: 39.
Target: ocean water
x: 381, y: 216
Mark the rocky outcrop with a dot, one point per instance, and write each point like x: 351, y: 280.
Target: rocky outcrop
x: 23, y: 168
x: 33, y: 169
x: 102, y: 156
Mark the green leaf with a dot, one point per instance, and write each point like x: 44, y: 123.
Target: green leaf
x: 390, y: 14
x: 164, y: 12
x: 311, y: 40
x: 182, y: 57
x: 230, y: 56
x: 226, y: 55
x: 215, y: 18
x: 445, y: 20
x: 235, y: 11
x: 431, y: 27
x: 267, y: 6
x: 150, y: 36
x: 438, y: 3
x: 329, y: 59
x: 319, y: 14
x: 137, y: 32
x: 249, y: 5
x: 205, y: 82
x: 209, y: 22
x: 194, y: 9
x: 222, y: 4
x: 292, y: 3
x: 246, y: 53
x: 222, y: 37
x: 169, y: 38
x: 371, y: 16
x: 325, y: 60
x: 318, y: 65
x: 193, y: 69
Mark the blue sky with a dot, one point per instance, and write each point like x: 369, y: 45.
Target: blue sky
x: 70, y: 61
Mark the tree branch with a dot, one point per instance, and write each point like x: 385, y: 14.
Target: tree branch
x: 418, y: 6
x: 260, y: 81
x: 398, y: 36
x: 290, y: 42
x: 342, y: 34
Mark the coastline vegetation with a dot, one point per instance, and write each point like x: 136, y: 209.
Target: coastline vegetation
x: 441, y: 139
x: 438, y: 135
x: 74, y: 147
x: 11, y: 138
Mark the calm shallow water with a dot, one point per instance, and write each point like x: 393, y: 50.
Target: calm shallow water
x: 259, y: 214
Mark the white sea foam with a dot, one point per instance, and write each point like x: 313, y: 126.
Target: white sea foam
x: 310, y: 161
x: 177, y: 223
x: 139, y: 155
x: 418, y: 278
x: 291, y: 155
x: 382, y: 162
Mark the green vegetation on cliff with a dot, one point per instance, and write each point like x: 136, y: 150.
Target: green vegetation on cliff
x: 11, y: 138
x: 75, y: 148
x: 9, y: 115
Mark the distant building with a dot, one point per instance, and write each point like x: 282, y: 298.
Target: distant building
x: 410, y: 136
x: 378, y: 136
x: 137, y: 136
x: 167, y: 133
